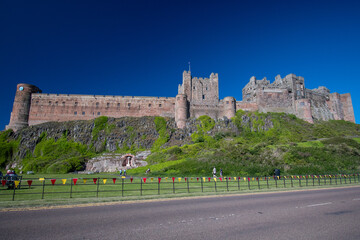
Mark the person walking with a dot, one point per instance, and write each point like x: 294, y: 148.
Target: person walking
x: 221, y: 172
x: 120, y: 172
x: 214, y: 172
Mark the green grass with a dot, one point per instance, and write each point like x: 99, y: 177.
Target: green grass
x: 125, y: 189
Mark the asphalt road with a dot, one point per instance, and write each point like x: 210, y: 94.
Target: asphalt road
x: 316, y: 214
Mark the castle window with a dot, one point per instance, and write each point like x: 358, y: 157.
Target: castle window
x: 227, y: 102
x: 194, y: 87
x: 129, y: 104
x: 75, y: 113
x: 298, y: 92
x: 49, y: 102
x: 160, y: 105
x: 118, y: 104
x: 206, y: 88
x: 56, y: 103
x: 203, y: 97
x: 302, y: 104
x: 63, y: 103
x: 98, y: 113
x: 108, y: 104
x: 76, y: 103
x: 37, y: 102
x: 149, y: 104
x: 97, y: 104
x: 83, y: 113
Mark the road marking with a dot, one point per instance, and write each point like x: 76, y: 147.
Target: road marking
x: 356, y: 199
x: 319, y: 204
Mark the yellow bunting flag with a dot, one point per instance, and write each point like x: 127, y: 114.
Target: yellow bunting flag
x: 244, y: 179
x: 278, y: 177
x: 285, y: 177
x: 235, y: 178
x: 203, y: 179
x: 191, y: 179
x: 16, y: 183
x: 104, y: 180
x: 41, y: 179
x: 123, y: 177
x: 253, y: 179
x: 152, y: 179
x: 215, y: 179
x: 63, y: 181
x: 166, y: 178
x: 179, y: 179
x: 84, y: 180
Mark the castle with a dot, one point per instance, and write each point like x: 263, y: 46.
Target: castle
x: 196, y: 97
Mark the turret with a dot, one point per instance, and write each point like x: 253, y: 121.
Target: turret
x: 21, y: 108
x: 181, y: 110
x: 229, y: 107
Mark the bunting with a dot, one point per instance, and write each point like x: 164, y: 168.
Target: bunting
x: 151, y: 179
x: 234, y: 178
x: 173, y: 178
x: 53, y: 181
x: 144, y: 179
x: 16, y: 183
x: 215, y: 179
x: 166, y: 178
x: 41, y: 179
x: 84, y: 180
x: 209, y: 179
x: 3, y: 182
x: 95, y: 180
x: 179, y: 179
x: 63, y: 181
x: 75, y: 180
x: 104, y: 180
x: 203, y: 179
x: 159, y: 179
x: 131, y: 179
x: 29, y: 182
x: 114, y: 180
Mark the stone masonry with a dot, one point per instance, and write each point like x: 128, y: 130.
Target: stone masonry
x: 196, y: 97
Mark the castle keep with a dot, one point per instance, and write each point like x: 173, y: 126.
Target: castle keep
x: 196, y: 97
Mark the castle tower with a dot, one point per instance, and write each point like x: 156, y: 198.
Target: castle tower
x: 187, y: 84
x: 21, y: 108
x: 303, y: 110
x: 181, y: 110
x: 229, y: 107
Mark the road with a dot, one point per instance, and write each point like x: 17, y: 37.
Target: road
x: 316, y: 214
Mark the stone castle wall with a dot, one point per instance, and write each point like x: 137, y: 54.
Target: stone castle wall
x: 63, y: 107
x: 196, y: 97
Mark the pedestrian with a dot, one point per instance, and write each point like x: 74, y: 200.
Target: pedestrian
x: 124, y: 172
x: 120, y: 172
x: 221, y: 172
x: 214, y: 172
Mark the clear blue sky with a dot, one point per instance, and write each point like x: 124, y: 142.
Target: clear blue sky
x: 140, y: 48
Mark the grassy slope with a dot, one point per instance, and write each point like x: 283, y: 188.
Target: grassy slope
x: 291, y: 144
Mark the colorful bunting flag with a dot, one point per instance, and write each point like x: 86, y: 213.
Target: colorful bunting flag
x: 185, y: 179
x: 166, y: 178
x: 159, y: 179
x: 16, y: 183
x: 235, y: 178
x: 123, y: 177
x: 144, y: 179
x: 75, y: 180
x: 29, y: 182
x: 197, y: 179
x: 84, y: 180
x: 215, y: 179
x: 203, y: 179
x: 104, y: 180
x: 63, y: 181
x: 191, y: 179
x: 151, y: 179
x: 3, y: 182
x: 53, y: 181
x: 209, y: 179
x: 173, y: 178
x: 220, y: 179
x: 179, y: 179
x: 41, y: 179
x: 131, y: 179
x: 114, y: 180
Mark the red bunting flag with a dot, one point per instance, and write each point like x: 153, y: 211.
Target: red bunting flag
x: 3, y: 182
x: 197, y: 179
x: 159, y: 179
x: 29, y: 182
x: 75, y: 180
x: 257, y: 179
x: 220, y: 179
x: 53, y: 181
x: 144, y: 179
x: 114, y: 180
x: 185, y: 179
x: 173, y: 178
x: 94, y: 180
x: 248, y: 179
x: 131, y: 179
x: 209, y: 179
x: 229, y: 178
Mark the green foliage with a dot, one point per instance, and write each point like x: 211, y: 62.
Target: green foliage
x: 8, y: 148
x: 59, y: 156
x: 201, y: 135
x: 160, y: 125
x: 100, y: 124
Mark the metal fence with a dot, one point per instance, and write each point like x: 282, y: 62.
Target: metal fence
x: 47, y: 188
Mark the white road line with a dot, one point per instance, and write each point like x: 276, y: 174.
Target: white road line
x: 319, y: 204
x: 356, y: 199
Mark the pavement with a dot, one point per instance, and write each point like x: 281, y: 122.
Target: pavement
x: 315, y: 214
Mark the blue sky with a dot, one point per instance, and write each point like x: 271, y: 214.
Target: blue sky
x: 140, y: 48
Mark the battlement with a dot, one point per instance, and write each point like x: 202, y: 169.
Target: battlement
x: 197, y: 96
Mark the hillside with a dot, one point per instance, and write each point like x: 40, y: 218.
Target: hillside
x: 249, y: 144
